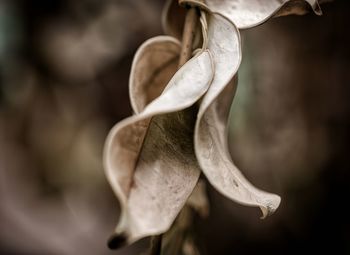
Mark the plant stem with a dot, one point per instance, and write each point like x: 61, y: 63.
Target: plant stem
x: 156, y: 245
x: 188, y: 35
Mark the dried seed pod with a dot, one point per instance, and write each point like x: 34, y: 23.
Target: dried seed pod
x: 210, y: 132
x: 154, y: 64
x: 244, y: 14
x: 149, y: 158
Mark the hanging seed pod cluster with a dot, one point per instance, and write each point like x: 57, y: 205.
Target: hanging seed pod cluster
x: 181, y: 88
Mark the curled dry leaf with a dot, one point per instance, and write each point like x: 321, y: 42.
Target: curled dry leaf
x: 149, y: 158
x: 154, y: 63
x: 153, y: 159
x: 210, y: 133
x: 243, y: 13
x: 246, y: 14
x: 299, y: 7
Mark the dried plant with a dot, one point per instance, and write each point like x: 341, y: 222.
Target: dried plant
x: 181, y: 88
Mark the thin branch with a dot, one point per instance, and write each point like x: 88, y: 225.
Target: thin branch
x: 188, y: 34
x: 156, y: 245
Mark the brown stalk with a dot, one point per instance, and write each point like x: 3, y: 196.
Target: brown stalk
x: 188, y: 35
x: 156, y: 245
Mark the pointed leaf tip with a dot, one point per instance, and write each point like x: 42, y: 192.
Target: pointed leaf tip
x: 270, y: 205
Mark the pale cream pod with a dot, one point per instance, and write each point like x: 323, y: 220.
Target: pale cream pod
x: 154, y: 64
x: 243, y: 13
x: 149, y: 158
x: 210, y: 136
x: 250, y: 13
x: 211, y: 144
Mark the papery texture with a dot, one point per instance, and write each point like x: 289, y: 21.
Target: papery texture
x: 149, y: 158
x: 154, y: 64
x: 210, y: 134
x: 249, y: 13
x: 243, y: 13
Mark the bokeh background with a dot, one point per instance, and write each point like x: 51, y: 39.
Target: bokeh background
x: 64, y: 67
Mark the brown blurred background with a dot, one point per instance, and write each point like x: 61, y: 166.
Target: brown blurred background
x: 64, y: 67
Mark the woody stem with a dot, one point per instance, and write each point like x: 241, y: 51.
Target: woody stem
x: 188, y: 35
x: 156, y: 245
